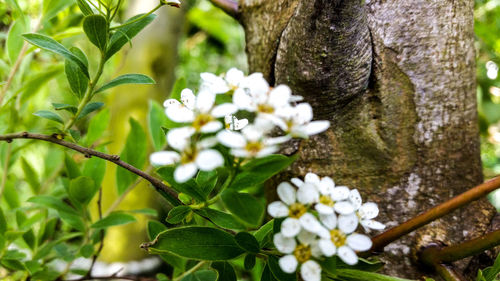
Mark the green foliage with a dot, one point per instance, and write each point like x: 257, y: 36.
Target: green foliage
x: 127, y: 79
x: 96, y: 29
x: 244, y: 206
x: 113, y: 219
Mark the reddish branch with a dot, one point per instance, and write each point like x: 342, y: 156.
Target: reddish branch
x: 230, y: 7
x: 380, y: 241
x: 57, y: 139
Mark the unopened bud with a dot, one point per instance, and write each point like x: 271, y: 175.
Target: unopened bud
x: 173, y: 3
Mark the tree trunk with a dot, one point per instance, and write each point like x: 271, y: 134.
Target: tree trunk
x: 396, y: 78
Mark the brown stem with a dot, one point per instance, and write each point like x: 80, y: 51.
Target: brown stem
x: 57, y: 139
x: 230, y: 7
x: 381, y: 240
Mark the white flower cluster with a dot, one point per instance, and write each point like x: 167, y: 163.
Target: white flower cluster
x: 320, y: 220
x: 194, y: 144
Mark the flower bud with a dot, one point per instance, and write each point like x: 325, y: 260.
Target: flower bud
x: 173, y: 3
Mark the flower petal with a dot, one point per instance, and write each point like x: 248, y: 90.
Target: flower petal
x: 312, y: 178
x: 231, y: 139
x: 240, y: 124
x: 277, y: 209
x: 310, y: 223
x: 326, y: 185
x: 371, y: 224
x: 298, y: 182
x: 348, y: 223
x: 344, y: 207
x: 340, y: 193
x: 211, y: 127
x: 223, y: 110
x: 179, y: 138
x: 330, y: 221
x: 280, y: 96
x: 347, y: 255
x: 368, y: 210
x: 179, y: 113
x: 213, y: 83
x: 234, y: 76
x: 207, y: 142
x: 305, y: 237
x: 316, y: 127
x: 303, y: 113
x: 359, y: 242
x: 185, y: 172
x: 243, y: 101
x: 310, y: 271
x: 170, y: 102
x: 327, y: 247
x: 209, y: 159
x: 163, y: 158
x: 355, y: 198
x: 267, y: 151
x: 286, y: 193
x: 307, y: 194
x: 288, y: 263
x: 290, y: 227
x: 323, y: 209
x: 204, y: 101
x: 188, y: 98
x: 284, y: 244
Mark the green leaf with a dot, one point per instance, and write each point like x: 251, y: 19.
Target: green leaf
x: 264, y: 234
x: 84, y: 7
x: 49, y: 115
x: 145, y: 211
x: 267, y: 275
x: 87, y: 251
x: 52, y: 203
x: 3, y: 222
x: 180, y: 84
x: 190, y: 187
x: 177, y: 214
x: 82, y: 190
x: 71, y: 167
x: 63, y: 106
x: 126, y: 33
x: 155, y: 228
x: 113, y: 219
x: 96, y: 29
x: 359, y: 275
x: 33, y: 85
x: 15, y: 41
x: 89, y: 108
x: 491, y: 273
x: 52, y: 7
x: 200, y: 243
x: 95, y: 168
x: 206, y: 180
x: 126, y: 79
x: 201, y: 275
x: 226, y: 271
x: 134, y: 153
x: 13, y: 264
x: 156, y: 119
x: 244, y: 206
x: 247, y: 242
x: 250, y: 260
x: 259, y: 170
x: 77, y: 80
x: 277, y: 272
x: 221, y: 219
x: 30, y: 176
x: 97, y: 126
x: 49, y: 44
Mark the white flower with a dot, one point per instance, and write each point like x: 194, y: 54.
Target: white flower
x: 297, y: 121
x: 220, y: 85
x: 235, y: 124
x: 365, y: 212
x: 252, y: 141
x: 341, y: 241
x: 299, y: 253
x: 198, y: 110
x: 191, y: 158
x: 293, y: 206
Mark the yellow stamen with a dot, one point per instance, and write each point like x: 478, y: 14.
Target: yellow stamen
x: 188, y: 156
x: 326, y: 200
x: 296, y: 210
x: 302, y: 253
x: 265, y: 108
x: 254, y: 147
x: 338, y: 237
x: 201, y: 120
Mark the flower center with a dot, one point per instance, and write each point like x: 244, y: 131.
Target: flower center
x: 326, y: 200
x: 265, y: 108
x: 296, y: 210
x: 201, y: 120
x: 188, y: 156
x: 302, y: 253
x: 338, y: 237
x: 254, y: 147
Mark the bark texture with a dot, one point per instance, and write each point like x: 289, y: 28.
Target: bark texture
x: 397, y: 80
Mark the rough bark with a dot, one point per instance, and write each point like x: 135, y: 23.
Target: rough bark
x: 397, y: 80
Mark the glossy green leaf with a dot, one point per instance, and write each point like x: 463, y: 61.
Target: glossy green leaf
x: 52, y: 7
x: 157, y: 119
x: 49, y: 44
x: 275, y: 269
x: 82, y: 190
x: 200, y: 243
x: 491, y: 273
x: 259, y: 170
x: 89, y: 108
x: 97, y: 126
x: 201, y: 275
x: 206, y: 180
x: 72, y: 169
x: 249, y: 262
x: 360, y: 275
x: 225, y: 270
x: 52, y: 203
x: 96, y: 29
x: 178, y: 214
x: 267, y: 275
x: 265, y: 233
x: 190, y: 187
x: 127, y: 79
x: 126, y: 33
x: 49, y: 115
x: 247, y: 242
x: 221, y: 219
x: 84, y: 7
x: 63, y: 106
x: 77, y: 79
x: 95, y: 168
x: 30, y: 175
x: 244, y: 206
x: 133, y: 153
x: 154, y: 228
x: 114, y: 219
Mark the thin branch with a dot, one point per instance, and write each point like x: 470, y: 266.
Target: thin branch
x: 230, y: 7
x: 57, y: 139
x: 382, y: 240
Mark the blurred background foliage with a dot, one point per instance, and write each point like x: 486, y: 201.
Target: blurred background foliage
x: 181, y: 43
